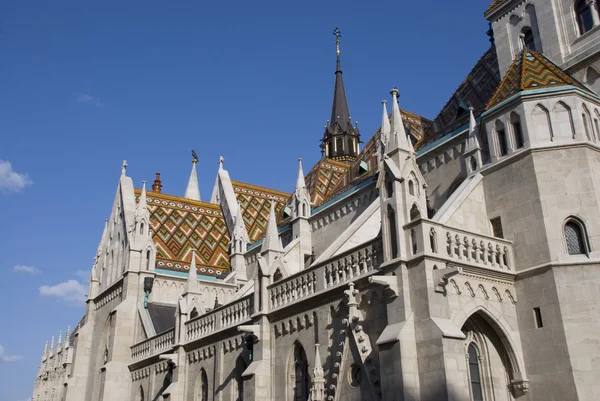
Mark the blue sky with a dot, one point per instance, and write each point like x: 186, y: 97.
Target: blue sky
x: 84, y: 85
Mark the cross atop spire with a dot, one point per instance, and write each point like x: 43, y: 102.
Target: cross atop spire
x: 338, y: 35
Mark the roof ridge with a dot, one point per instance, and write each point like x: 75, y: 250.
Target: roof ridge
x: 264, y: 189
x: 179, y: 199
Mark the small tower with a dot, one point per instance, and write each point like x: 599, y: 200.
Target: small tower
x: 341, y: 140
x: 300, y: 206
x: 401, y: 187
x: 239, y: 244
x: 193, y: 189
x: 472, y: 153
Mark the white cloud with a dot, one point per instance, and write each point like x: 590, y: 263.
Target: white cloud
x: 7, y: 358
x: 87, y: 98
x: 26, y: 269
x: 10, y: 180
x: 82, y: 274
x: 70, y: 291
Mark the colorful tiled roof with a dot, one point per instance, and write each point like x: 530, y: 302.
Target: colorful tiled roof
x: 416, y: 125
x: 474, y: 91
x: 325, y: 175
x: 531, y: 70
x: 180, y: 224
x: 355, y: 174
x: 256, y: 205
x: 494, y: 4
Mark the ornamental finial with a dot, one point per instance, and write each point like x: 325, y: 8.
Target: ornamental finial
x: 338, y: 35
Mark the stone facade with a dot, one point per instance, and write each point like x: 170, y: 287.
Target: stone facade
x: 466, y: 269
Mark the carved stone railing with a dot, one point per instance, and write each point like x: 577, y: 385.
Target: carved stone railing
x: 153, y: 346
x: 224, y: 317
x: 343, y: 268
x: 459, y: 245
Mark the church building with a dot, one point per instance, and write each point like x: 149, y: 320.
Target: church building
x: 446, y: 259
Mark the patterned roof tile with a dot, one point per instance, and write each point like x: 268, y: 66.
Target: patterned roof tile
x: 180, y: 224
x: 256, y: 205
x: 531, y: 70
x: 325, y: 175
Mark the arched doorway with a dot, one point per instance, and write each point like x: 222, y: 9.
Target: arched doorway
x: 489, y: 359
x: 299, y: 385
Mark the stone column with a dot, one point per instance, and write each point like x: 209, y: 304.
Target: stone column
x: 594, y: 10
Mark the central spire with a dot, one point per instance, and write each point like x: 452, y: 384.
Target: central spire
x: 340, y: 114
x: 341, y: 140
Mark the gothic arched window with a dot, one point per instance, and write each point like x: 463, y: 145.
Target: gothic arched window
x: 502, y: 139
x: 585, y: 15
x: 475, y: 374
x: 148, y: 255
x: 194, y: 313
x: 391, y: 215
x: 515, y: 122
x: 411, y: 187
x: 202, y: 387
x: 339, y: 147
x: 575, y: 237
x: 142, y: 229
x: 528, y: 38
x: 301, y: 378
x: 414, y: 213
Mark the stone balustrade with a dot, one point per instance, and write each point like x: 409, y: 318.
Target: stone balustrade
x: 461, y: 246
x: 232, y: 314
x: 340, y: 269
x: 156, y: 345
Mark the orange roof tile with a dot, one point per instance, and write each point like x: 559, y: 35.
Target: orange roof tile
x: 256, y: 205
x: 180, y: 225
x: 325, y: 175
x: 531, y: 70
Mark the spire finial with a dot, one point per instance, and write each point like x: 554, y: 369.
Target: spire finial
x: 398, y: 138
x: 221, y: 160
x: 523, y: 43
x: 338, y: 34
x: 271, y: 241
x: 52, y: 345
x: 300, y: 183
x: 124, y: 167
x: 192, y: 282
x: 67, y: 334
x: 60, y: 338
x: 192, y: 191
x: 472, y: 141
x: 157, y: 186
x: 143, y: 203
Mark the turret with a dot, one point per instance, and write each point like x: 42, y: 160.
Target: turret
x: 300, y: 206
x: 401, y: 186
x: 239, y: 244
